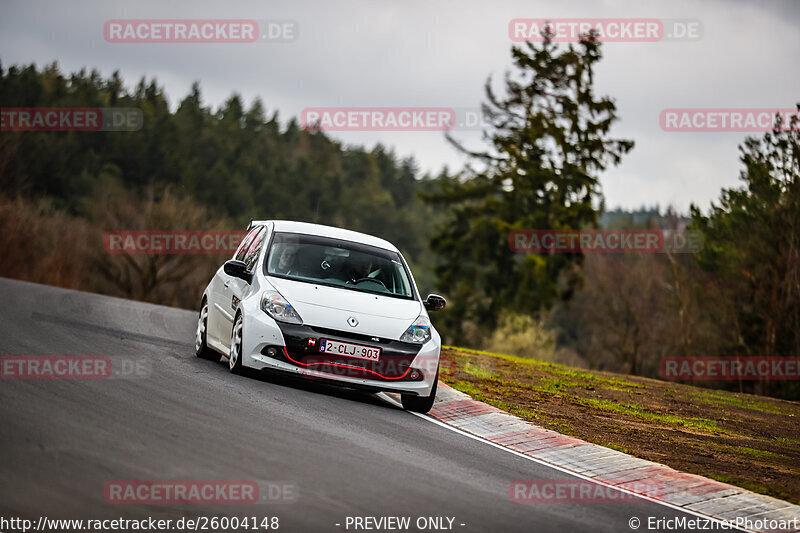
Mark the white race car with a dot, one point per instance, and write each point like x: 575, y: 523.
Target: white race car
x: 325, y: 303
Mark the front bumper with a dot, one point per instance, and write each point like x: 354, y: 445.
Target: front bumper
x: 403, y: 367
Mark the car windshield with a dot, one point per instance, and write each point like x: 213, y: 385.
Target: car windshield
x: 338, y: 263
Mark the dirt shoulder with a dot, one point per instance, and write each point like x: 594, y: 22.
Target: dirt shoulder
x: 745, y: 440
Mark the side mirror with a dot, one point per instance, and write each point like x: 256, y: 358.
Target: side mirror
x: 237, y: 269
x: 434, y: 302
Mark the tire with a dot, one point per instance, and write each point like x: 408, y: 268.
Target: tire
x: 235, y: 357
x: 420, y: 404
x: 201, y: 349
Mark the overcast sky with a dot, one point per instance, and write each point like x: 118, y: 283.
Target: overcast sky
x: 439, y: 53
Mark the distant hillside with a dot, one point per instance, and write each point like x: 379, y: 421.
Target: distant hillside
x: 644, y: 217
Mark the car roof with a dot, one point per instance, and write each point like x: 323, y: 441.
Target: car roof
x: 289, y: 226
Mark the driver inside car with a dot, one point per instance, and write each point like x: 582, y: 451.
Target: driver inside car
x: 360, y: 268
x: 286, y: 261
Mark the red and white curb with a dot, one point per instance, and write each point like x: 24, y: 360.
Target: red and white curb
x: 692, y: 493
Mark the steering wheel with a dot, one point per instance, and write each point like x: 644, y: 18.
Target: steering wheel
x: 374, y: 280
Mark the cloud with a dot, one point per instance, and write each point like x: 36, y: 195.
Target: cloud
x: 419, y: 53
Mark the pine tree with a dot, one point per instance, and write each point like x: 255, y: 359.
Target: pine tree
x: 548, y: 142
x: 752, y: 244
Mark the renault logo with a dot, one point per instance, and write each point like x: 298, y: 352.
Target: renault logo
x: 352, y: 321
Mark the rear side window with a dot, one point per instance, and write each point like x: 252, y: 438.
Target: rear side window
x: 242, y: 250
x: 251, y: 253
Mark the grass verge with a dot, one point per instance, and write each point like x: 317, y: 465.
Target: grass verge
x: 745, y: 440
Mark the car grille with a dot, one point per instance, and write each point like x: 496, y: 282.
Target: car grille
x: 351, y: 335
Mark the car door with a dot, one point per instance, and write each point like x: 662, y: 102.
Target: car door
x: 237, y: 288
x: 220, y: 319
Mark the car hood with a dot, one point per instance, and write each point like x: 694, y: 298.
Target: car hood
x: 331, y: 307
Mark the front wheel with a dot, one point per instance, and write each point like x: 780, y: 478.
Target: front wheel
x: 235, y: 359
x: 201, y: 348
x: 420, y: 404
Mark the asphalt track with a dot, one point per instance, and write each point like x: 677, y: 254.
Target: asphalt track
x: 347, y: 453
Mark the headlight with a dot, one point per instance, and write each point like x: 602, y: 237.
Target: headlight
x: 278, y: 308
x: 419, y: 332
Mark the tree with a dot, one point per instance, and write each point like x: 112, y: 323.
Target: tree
x: 171, y: 279
x: 549, y: 142
x: 752, y: 244
x: 222, y: 166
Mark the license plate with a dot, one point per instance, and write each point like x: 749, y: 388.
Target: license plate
x: 349, y: 350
